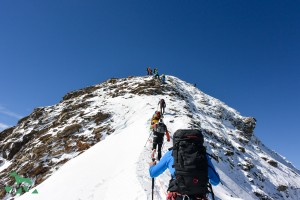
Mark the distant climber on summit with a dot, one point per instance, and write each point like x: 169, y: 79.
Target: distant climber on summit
x: 149, y: 71
x: 162, y: 106
x: 159, y: 130
x: 163, y: 78
x: 155, y: 73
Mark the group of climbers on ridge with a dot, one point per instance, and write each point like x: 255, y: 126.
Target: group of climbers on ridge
x: 155, y: 74
x: 191, y: 169
x: 159, y: 129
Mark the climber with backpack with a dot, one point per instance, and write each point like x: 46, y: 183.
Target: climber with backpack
x: 159, y: 130
x: 149, y: 71
x: 162, y: 105
x: 163, y: 78
x: 155, y: 118
x: 155, y: 73
x: 192, y: 172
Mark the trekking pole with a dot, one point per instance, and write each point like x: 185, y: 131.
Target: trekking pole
x: 229, y: 189
x: 148, y: 139
x: 153, y: 159
x: 212, y: 192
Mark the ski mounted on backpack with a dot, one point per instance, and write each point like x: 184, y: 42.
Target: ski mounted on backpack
x: 190, y: 163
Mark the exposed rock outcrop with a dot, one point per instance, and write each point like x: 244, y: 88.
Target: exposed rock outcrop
x: 246, y: 125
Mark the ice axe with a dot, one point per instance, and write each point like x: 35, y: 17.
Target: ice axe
x: 153, y: 160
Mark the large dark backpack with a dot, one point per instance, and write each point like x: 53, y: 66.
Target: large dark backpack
x: 190, y: 163
x: 160, y: 129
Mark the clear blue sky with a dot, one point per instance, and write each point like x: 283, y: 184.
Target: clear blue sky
x: 245, y: 53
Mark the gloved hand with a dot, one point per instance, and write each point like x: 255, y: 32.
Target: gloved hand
x: 152, y: 163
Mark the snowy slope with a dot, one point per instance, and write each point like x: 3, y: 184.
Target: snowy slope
x: 117, y: 165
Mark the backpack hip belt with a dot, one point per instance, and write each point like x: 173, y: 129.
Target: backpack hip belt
x: 176, y: 195
x: 157, y: 134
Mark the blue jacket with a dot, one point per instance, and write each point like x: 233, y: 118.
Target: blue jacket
x: 167, y: 161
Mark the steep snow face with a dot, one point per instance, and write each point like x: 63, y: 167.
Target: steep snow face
x: 94, y: 144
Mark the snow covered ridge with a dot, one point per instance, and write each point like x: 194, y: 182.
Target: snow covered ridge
x: 113, y: 118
